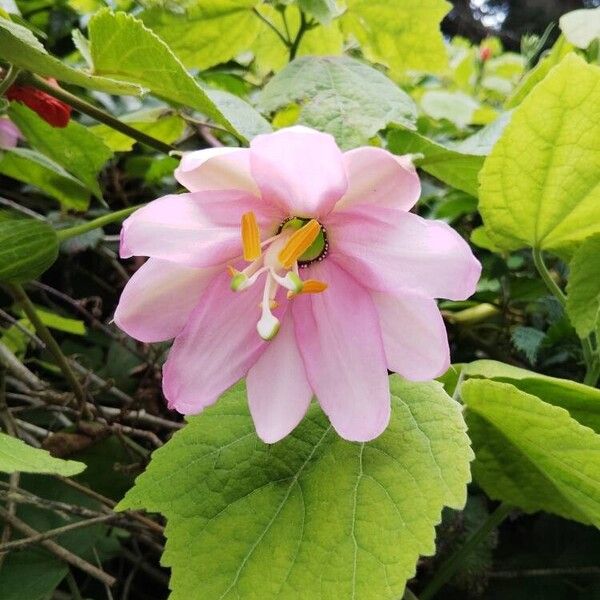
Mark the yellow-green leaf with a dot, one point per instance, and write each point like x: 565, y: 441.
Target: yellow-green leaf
x: 401, y: 35
x: 583, y: 289
x: 540, y: 186
x: 532, y: 454
x: 122, y: 47
x: 21, y: 48
x: 204, y: 34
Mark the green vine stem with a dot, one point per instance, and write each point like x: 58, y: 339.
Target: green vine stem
x: 449, y: 568
x: 97, y: 114
x: 43, y: 332
x: 590, y: 356
x: 113, y: 217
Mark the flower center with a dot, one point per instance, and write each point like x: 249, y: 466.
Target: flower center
x: 298, y: 243
x: 317, y: 251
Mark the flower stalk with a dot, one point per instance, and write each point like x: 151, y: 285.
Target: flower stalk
x: 98, y: 114
x: 113, y: 217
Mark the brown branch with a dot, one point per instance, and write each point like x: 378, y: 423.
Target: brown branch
x: 40, y: 537
x: 58, y: 551
x: 43, y: 332
x: 551, y: 572
x: 111, y: 504
x: 14, y: 478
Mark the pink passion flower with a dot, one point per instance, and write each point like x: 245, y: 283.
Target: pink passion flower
x: 300, y: 268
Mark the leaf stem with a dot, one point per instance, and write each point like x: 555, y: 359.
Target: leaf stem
x: 286, y: 43
x: 119, y: 215
x: 540, y: 265
x: 304, y: 27
x: 450, y: 566
x: 590, y: 356
x: 592, y: 373
x: 44, y: 333
x: 9, y: 78
x: 98, y: 114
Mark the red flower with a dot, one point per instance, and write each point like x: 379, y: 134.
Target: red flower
x: 53, y: 111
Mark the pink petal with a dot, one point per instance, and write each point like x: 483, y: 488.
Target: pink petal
x: 217, y: 347
x: 414, y: 335
x: 391, y: 250
x: 216, y: 169
x: 376, y: 176
x: 300, y: 169
x: 157, y: 301
x: 340, y: 342
x: 278, y: 391
x: 9, y: 134
x: 199, y: 229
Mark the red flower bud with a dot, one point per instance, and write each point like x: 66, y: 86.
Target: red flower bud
x: 485, y: 53
x: 53, y: 111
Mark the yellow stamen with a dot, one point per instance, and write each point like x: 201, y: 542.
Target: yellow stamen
x: 250, y: 237
x: 299, y: 243
x: 311, y: 286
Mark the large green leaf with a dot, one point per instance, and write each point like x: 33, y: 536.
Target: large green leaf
x: 33, y: 168
x: 581, y: 27
x: 121, y: 46
x: 540, y: 186
x: 204, y: 34
x: 340, y: 95
x: 532, y: 454
x: 27, y: 247
x: 20, y: 47
x: 74, y: 147
x: 313, y: 515
x: 582, y: 401
x: 17, y: 456
x: 583, y: 289
x: 402, y: 35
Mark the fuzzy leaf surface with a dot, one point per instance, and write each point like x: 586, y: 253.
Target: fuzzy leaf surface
x: 313, y: 516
